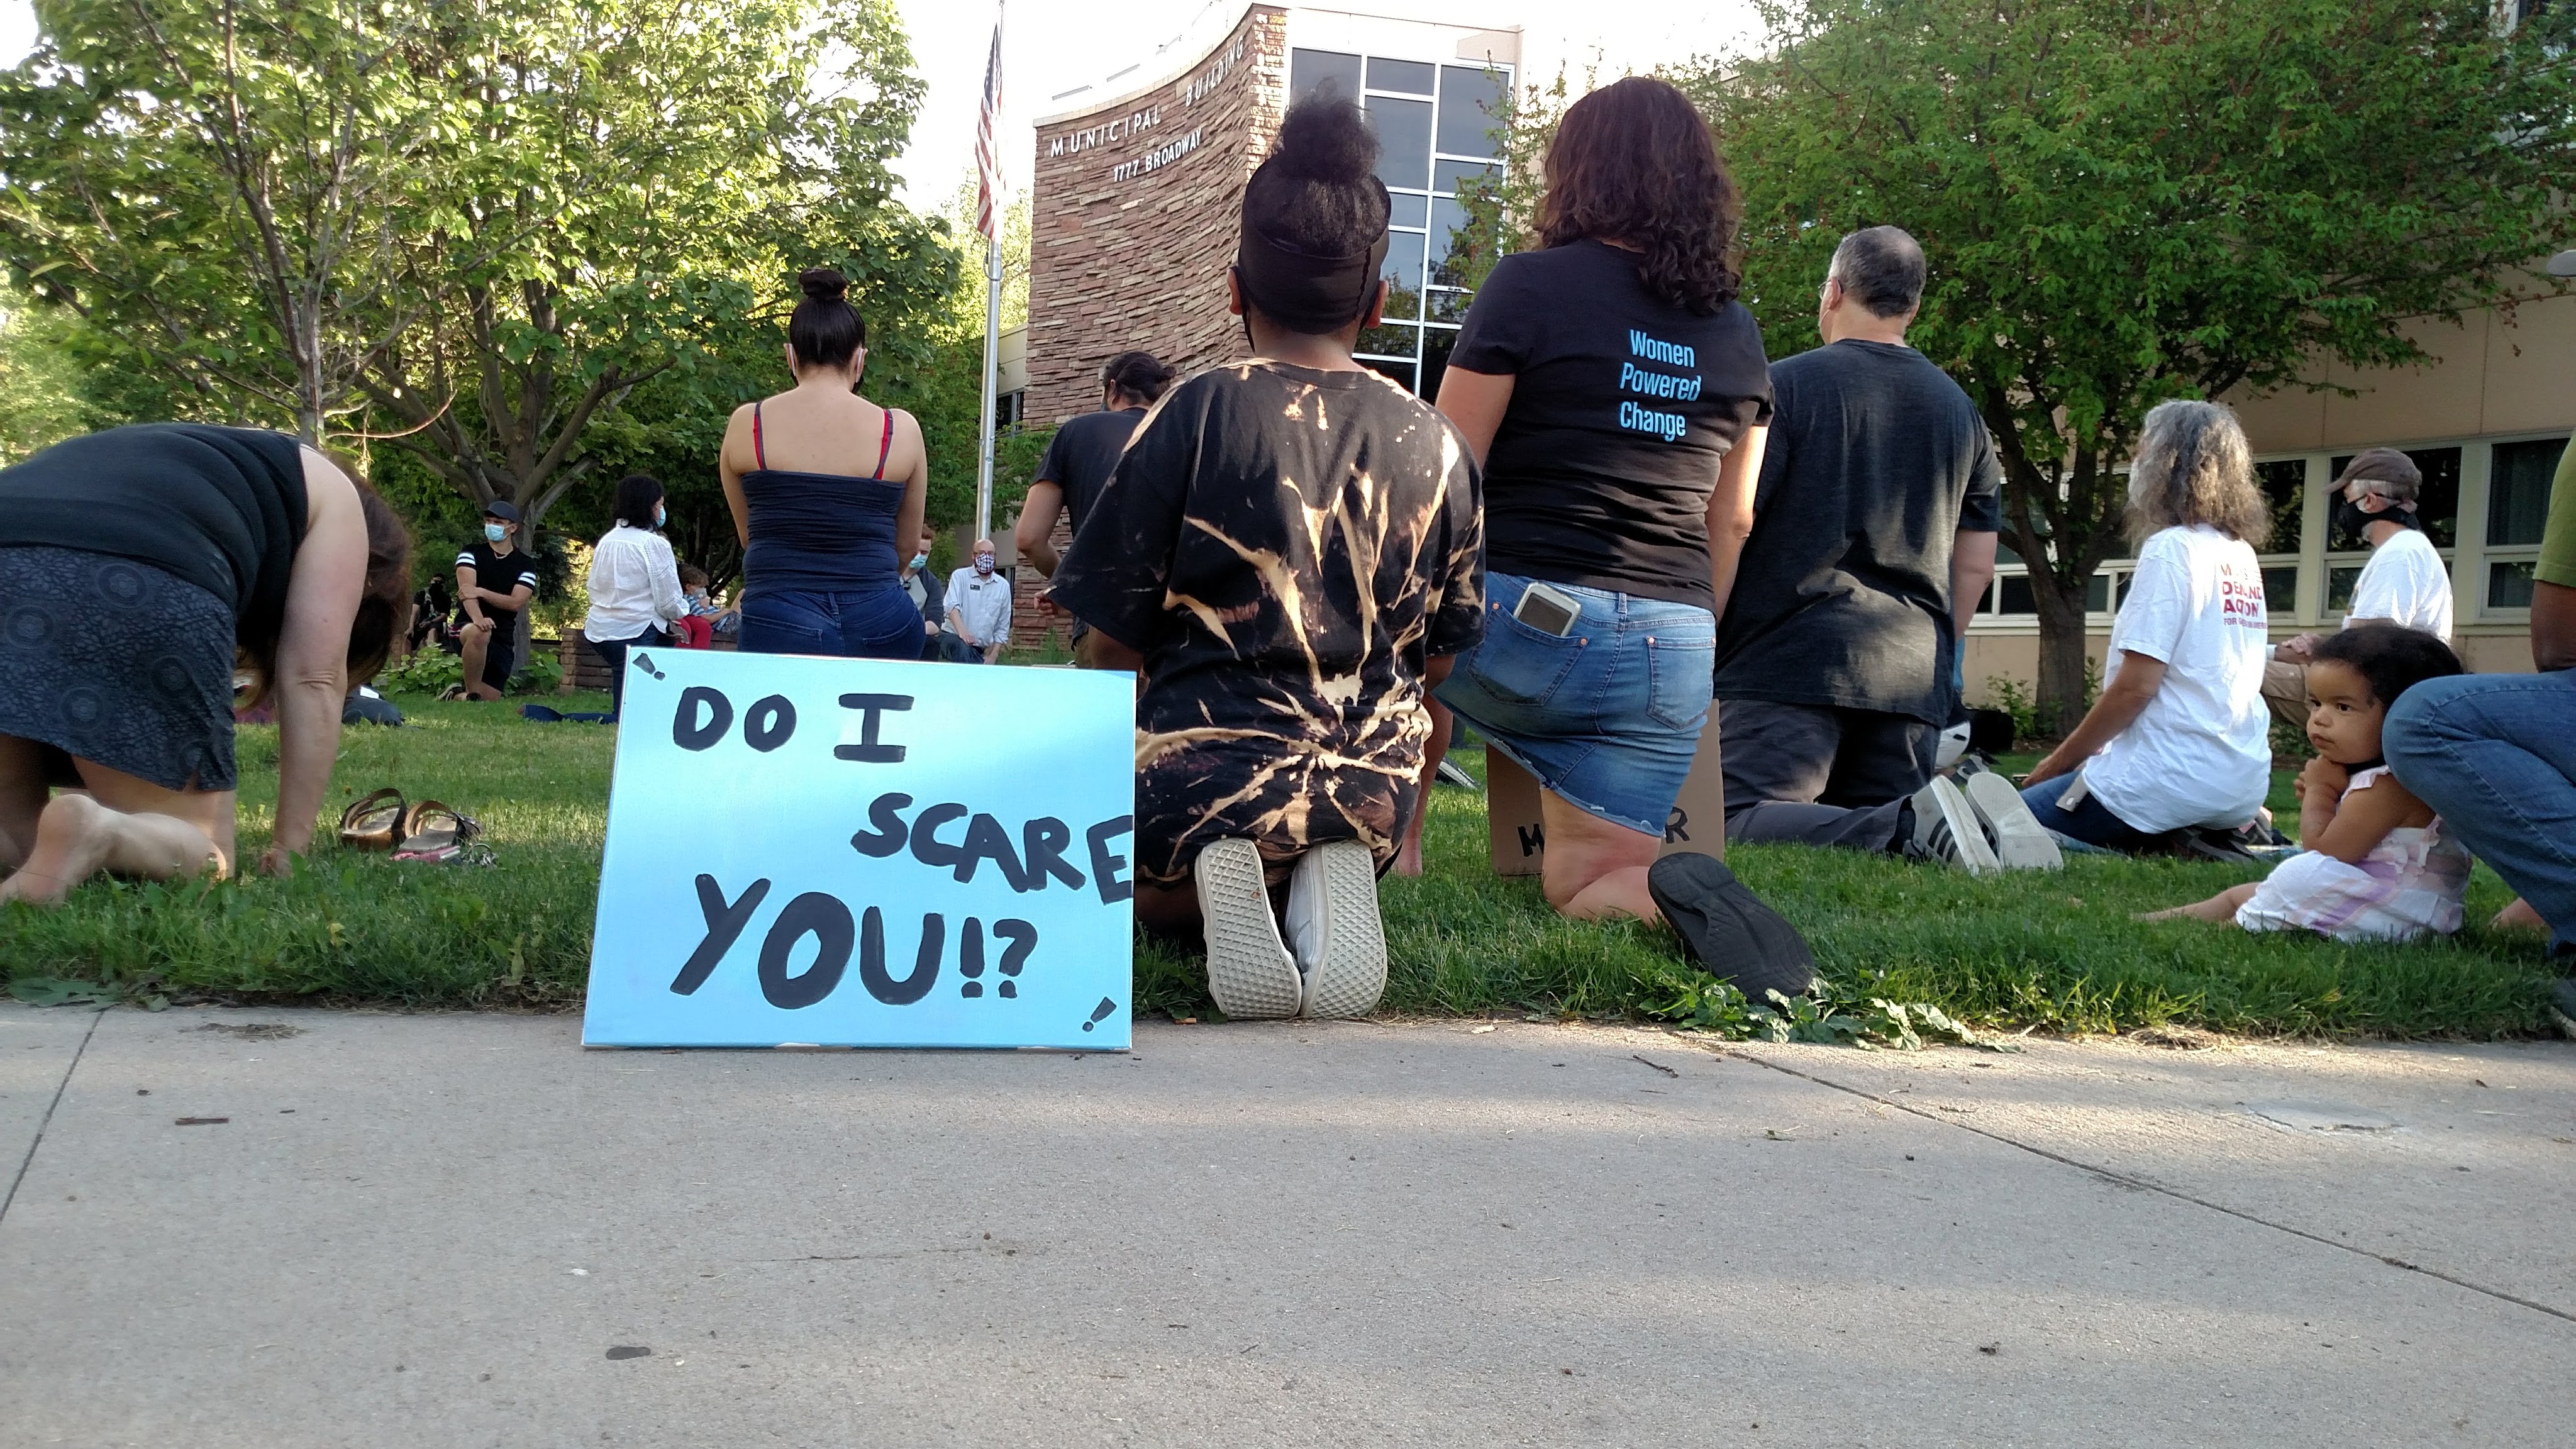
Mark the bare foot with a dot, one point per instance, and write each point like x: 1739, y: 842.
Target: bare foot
x: 72, y: 842
x: 2518, y: 917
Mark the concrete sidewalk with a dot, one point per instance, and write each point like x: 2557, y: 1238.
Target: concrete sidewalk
x: 464, y: 1230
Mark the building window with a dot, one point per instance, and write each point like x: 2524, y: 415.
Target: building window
x: 2518, y: 482
x: 1009, y: 409
x: 1434, y: 125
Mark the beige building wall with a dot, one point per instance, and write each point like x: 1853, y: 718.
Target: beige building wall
x: 2495, y: 376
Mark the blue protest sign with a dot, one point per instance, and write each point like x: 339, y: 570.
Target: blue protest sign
x: 849, y: 852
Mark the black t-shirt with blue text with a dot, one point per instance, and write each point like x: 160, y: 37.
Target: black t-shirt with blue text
x: 1622, y: 408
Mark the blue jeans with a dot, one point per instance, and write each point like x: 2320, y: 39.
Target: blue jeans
x: 2495, y: 756
x: 2090, y: 821
x: 850, y: 623
x: 1606, y: 718
x: 614, y: 651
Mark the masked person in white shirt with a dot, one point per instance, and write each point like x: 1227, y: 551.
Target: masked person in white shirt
x: 634, y: 583
x: 926, y: 592
x: 2405, y: 583
x: 979, y: 609
x: 2178, y: 741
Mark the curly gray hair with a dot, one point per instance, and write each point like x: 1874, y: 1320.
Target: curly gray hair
x: 2193, y: 466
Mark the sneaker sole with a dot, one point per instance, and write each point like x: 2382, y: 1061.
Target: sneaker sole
x: 1335, y: 889
x: 1250, y: 972
x: 2021, y: 842
x: 1967, y: 835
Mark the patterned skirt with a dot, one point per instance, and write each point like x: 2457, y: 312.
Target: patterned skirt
x: 118, y: 663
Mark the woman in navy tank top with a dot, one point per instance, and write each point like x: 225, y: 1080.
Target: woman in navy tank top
x: 822, y: 482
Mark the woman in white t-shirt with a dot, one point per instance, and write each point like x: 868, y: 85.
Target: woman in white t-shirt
x: 634, y: 583
x: 2179, y: 739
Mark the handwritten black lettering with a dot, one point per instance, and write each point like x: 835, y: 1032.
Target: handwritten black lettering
x: 1677, y: 828
x: 987, y: 840
x: 925, y: 965
x: 724, y: 927
x: 887, y: 838
x: 1042, y: 843
x: 1533, y: 840
x: 767, y: 724
x: 686, y: 732
x: 828, y: 921
x: 1024, y: 939
x: 927, y: 847
x: 1104, y: 865
x: 872, y: 709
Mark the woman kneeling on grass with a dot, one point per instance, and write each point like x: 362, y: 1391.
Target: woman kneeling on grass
x: 1287, y: 552
x: 137, y: 566
x: 2180, y: 740
x: 2378, y: 864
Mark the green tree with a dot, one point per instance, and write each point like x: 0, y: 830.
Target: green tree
x: 2125, y: 201
x: 41, y: 394
x: 466, y: 229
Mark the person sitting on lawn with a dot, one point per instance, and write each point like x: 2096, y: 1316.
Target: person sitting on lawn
x: 2179, y: 740
x: 696, y: 626
x: 1287, y: 554
x: 2405, y: 581
x: 2378, y: 864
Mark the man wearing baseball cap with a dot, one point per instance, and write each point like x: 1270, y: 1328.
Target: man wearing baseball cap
x: 494, y: 581
x: 2405, y: 582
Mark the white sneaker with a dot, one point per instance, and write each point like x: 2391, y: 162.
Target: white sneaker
x: 1334, y: 925
x: 2020, y: 841
x: 1250, y: 972
x: 1946, y: 829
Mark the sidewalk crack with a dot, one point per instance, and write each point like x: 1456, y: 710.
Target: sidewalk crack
x: 2141, y: 1184
x: 48, y: 1119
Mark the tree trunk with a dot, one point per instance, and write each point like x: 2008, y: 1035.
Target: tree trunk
x: 2061, y: 652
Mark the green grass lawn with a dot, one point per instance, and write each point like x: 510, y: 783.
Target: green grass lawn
x: 2057, y: 952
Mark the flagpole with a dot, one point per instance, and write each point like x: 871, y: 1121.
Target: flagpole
x: 992, y: 325
x: 992, y: 361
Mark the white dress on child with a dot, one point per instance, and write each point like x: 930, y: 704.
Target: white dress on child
x: 2410, y: 883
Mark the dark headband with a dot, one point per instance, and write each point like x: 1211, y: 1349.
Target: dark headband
x: 1303, y: 292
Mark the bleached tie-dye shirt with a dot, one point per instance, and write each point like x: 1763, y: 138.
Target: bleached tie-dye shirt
x: 1286, y: 548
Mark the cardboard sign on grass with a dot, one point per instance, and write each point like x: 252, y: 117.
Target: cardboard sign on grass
x: 1698, y: 821
x: 850, y: 852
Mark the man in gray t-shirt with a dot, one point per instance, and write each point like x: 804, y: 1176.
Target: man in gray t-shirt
x: 1873, y: 542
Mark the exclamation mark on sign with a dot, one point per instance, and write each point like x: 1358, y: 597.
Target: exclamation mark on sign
x: 1100, y: 1013
x: 644, y: 662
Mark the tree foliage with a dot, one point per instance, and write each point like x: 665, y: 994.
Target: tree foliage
x: 2125, y: 201
x: 466, y: 230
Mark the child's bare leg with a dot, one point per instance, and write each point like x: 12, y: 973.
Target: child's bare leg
x: 2220, y: 907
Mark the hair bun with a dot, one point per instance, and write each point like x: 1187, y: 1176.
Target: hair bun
x: 1325, y: 138
x: 823, y: 284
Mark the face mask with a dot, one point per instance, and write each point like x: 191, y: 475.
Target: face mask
x: 495, y: 532
x: 918, y: 560
x: 660, y: 514
x: 2352, y: 522
x: 983, y: 563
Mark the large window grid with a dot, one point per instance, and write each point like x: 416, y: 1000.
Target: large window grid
x: 1434, y: 124
x: 2483, y: 504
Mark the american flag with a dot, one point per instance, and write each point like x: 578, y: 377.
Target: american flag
x: 988, y: 174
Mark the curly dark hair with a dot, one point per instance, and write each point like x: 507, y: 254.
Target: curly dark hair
x: 2390, y: 658
x: 1634, y: 162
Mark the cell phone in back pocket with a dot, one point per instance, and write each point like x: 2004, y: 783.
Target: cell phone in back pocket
x: 1548, y: 609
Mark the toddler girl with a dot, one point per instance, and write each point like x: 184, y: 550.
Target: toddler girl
x: 2378, y: 865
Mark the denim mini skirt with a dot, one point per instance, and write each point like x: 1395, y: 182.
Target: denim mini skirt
x: 1607, y: 718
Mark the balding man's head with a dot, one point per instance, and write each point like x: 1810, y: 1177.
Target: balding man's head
x: 1881, y: 268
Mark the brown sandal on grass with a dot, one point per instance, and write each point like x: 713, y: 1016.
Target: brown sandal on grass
x: 375, y: 823
x: 435, y: 832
